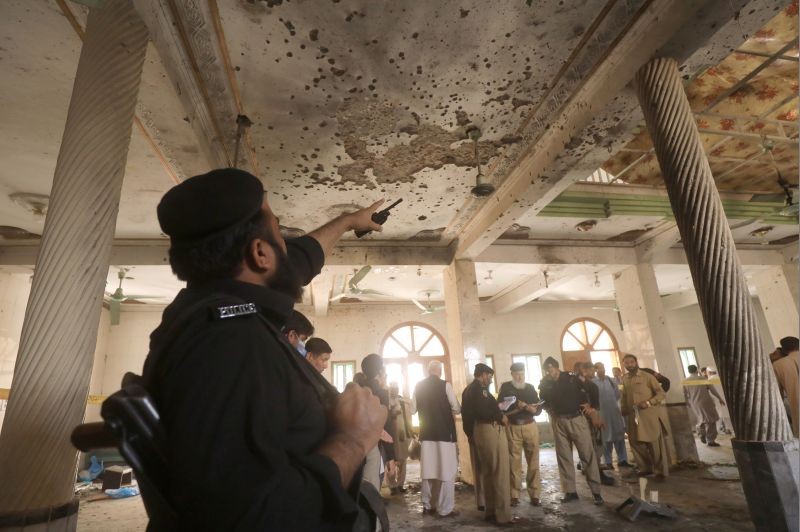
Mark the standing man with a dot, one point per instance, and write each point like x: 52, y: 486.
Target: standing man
x: 226, y: 383
x: 297, y: 330
x: 699, y: 398
x: 400, y: 414
x: 435, y: 401
x: 522, y: 433
x: 566, y: 400
x: 468, y: 425
x: 786, y: 371
x: 613, y: 433
x: 318, y: 353
x: 617, y: 376
x: 383, y: 452
x: 643, y: 404
x: 488, y: 432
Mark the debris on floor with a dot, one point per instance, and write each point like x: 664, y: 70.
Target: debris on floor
x: 722, y: 472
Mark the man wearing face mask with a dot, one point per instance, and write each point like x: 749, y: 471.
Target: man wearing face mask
x: 256, y: 438
x: 297, y: 330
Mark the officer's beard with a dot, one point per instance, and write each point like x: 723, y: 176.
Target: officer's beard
x: 518, y: 385
x: 285, y: 278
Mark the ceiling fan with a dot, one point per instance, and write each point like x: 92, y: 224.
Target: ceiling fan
x: 115, y: 299
x: 615, y: 308
x: 353, y: 291
x: 427, y: 307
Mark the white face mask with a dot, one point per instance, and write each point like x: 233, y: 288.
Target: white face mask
x: 301, y: 347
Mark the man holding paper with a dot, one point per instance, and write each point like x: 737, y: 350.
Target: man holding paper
x: 522, y: 432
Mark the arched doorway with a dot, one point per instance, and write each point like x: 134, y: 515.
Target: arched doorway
x: 588, y: 340
x: 407, y: 349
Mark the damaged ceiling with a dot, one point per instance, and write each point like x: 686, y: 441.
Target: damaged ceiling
x: 353, y: 100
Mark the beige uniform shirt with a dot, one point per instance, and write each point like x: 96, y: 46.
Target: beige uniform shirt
x: 786, y: 370
x: 652, y: 421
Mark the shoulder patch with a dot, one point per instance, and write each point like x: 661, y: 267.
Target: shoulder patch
x: 234, y: 311
x: 485, y: 393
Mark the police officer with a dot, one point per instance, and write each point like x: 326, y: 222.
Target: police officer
x: 522, y: 433
x: 256, y: 438
x: 487, y: 430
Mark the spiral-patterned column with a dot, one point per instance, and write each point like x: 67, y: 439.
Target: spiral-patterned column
x: 54, y: 362
x: 754, y: 401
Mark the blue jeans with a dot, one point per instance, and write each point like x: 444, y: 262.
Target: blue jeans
x: 619, y: 445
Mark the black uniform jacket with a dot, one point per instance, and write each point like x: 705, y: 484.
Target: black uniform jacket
x: 566, y: 395
x: 527, y: 395
x: 478, y: 405
x: 244, y: 414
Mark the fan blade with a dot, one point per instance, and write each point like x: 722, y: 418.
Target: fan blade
x: 359, y: 275
x: 420, y: 305
x: 113, y: 308
x: 142, y: 296
x: 373, y: 293
x: 339, y: 296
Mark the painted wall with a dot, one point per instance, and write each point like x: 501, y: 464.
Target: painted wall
x: 14, y: 291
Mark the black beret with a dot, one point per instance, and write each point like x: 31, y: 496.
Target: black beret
x: 481, y: 368
x: 517, y: 366
x: 371, y: 365
x: 206, y: 205
x: 789, y: 344
x: 550, y: 361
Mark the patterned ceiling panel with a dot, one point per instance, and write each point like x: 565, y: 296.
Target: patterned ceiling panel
x: 746, y: 103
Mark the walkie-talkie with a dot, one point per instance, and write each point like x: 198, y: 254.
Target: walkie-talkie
x: 379, y: 217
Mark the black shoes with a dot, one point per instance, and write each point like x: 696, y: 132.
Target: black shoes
x: 713, y: 444
x: 703, y: 439
x: 605, y: 480
x: 623, y: 464
x: 598, y: 499
x: 569, y: 497
x: 514, y: 502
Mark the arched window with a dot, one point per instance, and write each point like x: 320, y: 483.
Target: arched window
x: 588, y: 340
x: 407, y: 349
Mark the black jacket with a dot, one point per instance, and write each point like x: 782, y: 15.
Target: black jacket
x: 244, y: 414
x: 477, y: 404
x: 527, y: 395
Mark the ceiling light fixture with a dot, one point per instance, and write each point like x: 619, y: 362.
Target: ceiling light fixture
x: 596, y: 281
x: 488, y: 278
x: 586, y: 225
x: 482, y: 187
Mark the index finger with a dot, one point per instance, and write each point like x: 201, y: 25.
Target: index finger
x: 374, y: 206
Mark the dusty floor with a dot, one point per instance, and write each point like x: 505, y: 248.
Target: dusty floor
x: 701, y: 503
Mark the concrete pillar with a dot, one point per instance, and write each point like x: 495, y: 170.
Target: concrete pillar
x: 765, y: 452
x: 645, y: 334
x: 464, y: 337
x: 54, y: 363
x: 780, y: 307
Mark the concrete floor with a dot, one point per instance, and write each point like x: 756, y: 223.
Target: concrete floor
x: 701, y: 502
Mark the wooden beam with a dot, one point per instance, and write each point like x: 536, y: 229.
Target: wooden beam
x: 601, y: 113
x: 208, y: 106
x: 533, y: 287
x: 530, y: 186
